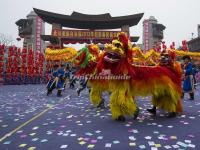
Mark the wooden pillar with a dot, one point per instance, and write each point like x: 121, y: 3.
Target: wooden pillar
x: 125, y: 28
x: 58, y: 27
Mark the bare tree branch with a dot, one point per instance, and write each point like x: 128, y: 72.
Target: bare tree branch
x: 6, y: 39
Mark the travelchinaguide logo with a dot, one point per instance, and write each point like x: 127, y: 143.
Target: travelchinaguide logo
x: 104, y: 75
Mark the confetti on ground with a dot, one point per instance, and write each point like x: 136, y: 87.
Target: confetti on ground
x: 22, y: 145
x: 31, y: 148
x: 74, y: 123
x: 132, y: 144
x: 108, y: 145
x: 90, y: 146
x: 63, y: 146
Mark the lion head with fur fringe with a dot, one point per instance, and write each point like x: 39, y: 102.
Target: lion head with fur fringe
x: 118, y: 48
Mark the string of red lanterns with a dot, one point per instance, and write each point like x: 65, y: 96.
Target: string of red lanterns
x: 21, y: 65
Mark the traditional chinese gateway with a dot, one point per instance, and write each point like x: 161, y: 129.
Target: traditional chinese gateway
x: 86, y: 28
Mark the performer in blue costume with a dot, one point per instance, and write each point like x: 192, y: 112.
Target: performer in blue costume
x: 194, y: 72
x: 188, y: 83
x: 51, y: 85
x: 67, y: 75
x: 61, y: 80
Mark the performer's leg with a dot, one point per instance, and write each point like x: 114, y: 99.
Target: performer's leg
x: 89, y: 90
x: 136, y: 113
x: 192, y: 87
x: 115, y: 108
x: 182, y: 96
x: 102, y: 103
x: 192, y: 96
x: 81, y: 88
x: 152, y: 110
x: 171, y: 115
x: 121, y: 118
x: 72, y: 83
x: 49, y: 91
x: 59, y: 93
x: 50, y: 88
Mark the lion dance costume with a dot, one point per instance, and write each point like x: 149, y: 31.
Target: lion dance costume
x: 124, y: 80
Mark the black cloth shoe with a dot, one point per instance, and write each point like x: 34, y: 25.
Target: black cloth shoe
x: 152, y: 110
x: 121, y: 118
x: 101, y: 104
x: 171, y: 115
x: 182, y: 96
x: 191, y: 96
x: 59, y: 93
x: 78, y: 92
x: 49, y: 92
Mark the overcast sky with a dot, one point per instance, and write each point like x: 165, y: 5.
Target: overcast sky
x: 179, y: 16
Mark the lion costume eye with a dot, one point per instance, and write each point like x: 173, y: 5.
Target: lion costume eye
x: 118, y: 45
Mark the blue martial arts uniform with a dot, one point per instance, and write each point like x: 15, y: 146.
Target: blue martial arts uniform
x: 188, y: 83
x: 61, y: 80
x: 52, y: 82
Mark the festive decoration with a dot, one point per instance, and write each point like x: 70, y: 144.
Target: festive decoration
x: 150, y: 58
x: 184, y: 45
x: 2, y: 51
x: 22, y: 66
x: 66, y: 54
x: 162, y: 81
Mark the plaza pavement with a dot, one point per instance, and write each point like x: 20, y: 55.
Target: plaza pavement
x: 30, y: 120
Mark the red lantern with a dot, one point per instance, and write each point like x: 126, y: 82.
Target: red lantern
x: 10, y: 59
x: 41, y: 69
x: 164, y: 46
x: 15, y: 59
x: 1, y: 58
x: 9, y: 64
x: 24, y: 55
x: 2, y: 47
x: 8, y: 69
x: 2, y: 51
x: 8, y: 75
x: 184, y: 42
x: 1, y: 64
x: 24, y: 51
x: 1, y: 69
x: 19, y: 50
x: 36, y: 72
x: 15, y: 49
x: 30, y: 51
x: 10, y: 49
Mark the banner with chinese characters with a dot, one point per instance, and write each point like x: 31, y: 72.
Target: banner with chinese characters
x: 84, y: 34
x: 38, y: 42
x: 146, y: 34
